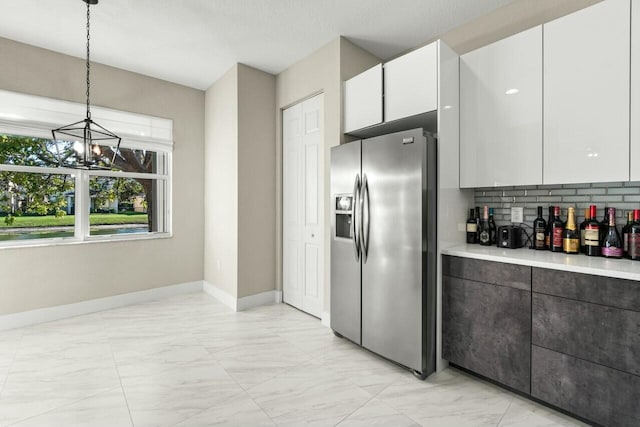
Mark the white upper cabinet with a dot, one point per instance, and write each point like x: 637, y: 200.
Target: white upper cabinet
x: 586, y: 95
x: 363, y: 100
x: 501, y: 113
x: 635, y: 93
x: 411, y: 83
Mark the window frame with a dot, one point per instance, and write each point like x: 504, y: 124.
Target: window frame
x: 165, y: 213
x: 82, y: 205
x: 33, y: 116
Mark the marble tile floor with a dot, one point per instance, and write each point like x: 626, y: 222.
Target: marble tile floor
x: 190, y: 361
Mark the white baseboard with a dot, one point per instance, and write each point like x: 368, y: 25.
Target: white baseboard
x: 48, y: 314
x: 326, y: 319
x: 41, y: 315
x: 278, y: 295
x: 257, y: 300
x: 441, y: 364
x: 244, y: 303
x: 221, y: 295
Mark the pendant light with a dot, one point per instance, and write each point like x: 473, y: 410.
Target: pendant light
x: 80, y: 144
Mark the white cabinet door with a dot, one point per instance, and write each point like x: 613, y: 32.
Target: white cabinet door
x: 303, y: 205
x: 363, y: 100
x: 586, y: 95
x: 411, y: 83
x: 635, y: 93
x: 501, y: 113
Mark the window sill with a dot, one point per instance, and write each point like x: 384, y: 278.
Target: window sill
x: 64, y: 241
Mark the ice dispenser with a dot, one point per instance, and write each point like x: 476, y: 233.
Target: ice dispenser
x: 344, y: 210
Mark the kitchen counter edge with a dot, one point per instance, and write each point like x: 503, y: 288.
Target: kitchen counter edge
x: 616, y: 268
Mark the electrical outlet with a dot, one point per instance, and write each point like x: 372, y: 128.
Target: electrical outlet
x: 517, y: 215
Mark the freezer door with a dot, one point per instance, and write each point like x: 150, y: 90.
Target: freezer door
x: 345, y: 251
x: 394, y: 186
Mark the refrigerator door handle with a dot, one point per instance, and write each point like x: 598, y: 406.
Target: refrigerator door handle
x: 364, y: 218
x: 355, y: 216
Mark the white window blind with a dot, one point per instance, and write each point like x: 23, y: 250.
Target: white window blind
x: 30, y: 115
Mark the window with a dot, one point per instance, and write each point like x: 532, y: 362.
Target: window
x: 40, y: 201
x: 35, y: 206
x: 43, y: 203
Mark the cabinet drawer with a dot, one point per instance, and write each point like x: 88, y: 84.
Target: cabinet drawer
x: 605, y: 335
x: 585, y: 287
x: 604, y: 395
x: 487, y: 329
x: 497, y: 273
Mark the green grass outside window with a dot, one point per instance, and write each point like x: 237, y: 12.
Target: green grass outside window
x: 68, y: 220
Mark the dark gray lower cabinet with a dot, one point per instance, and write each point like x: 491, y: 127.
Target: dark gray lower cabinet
x: 586, y: 345
x: 605, y: 335
x: 495, y: 273
x: 487, y: 329
x: 595, y: 392
x: 570, y: 340
x: 619, y: 293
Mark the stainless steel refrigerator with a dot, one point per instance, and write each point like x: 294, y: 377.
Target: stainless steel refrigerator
x: 383, y: 246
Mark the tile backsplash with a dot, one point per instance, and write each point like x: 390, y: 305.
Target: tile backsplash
x: 623, y: 196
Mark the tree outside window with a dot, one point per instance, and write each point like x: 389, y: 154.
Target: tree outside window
x: 26, y: 198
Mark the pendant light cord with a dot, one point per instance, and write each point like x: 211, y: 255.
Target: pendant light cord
x: 93, y: 136
x: 88, y: 63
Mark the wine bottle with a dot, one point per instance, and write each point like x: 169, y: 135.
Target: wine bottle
x: 570, y: 236
x: 485, y: 233
x: 557, y: 231
x: 539, y: 227
x: 603, y: 225
x: 583, y: 226
x: 547, y: 232
x: 612, y: 243
x: 472, y: 227
x: 625, y: 234
x: 634, y: 236
x: 492, y: 227
x: 592, y: 234
x: 477, y: 224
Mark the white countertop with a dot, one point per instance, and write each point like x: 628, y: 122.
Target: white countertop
x: 618, y: 268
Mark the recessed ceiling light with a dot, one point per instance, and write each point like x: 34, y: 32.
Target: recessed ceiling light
x: 512, y: 91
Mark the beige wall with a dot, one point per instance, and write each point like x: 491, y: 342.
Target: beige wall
x: 321, y: 71
x: 240, y: 182
x: 221, y: 183
x: 508, y: 20
x: 503, y: 22
x: 39, y: 277
x: 256, y: 181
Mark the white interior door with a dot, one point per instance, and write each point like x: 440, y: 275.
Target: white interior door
x: 303, y: 206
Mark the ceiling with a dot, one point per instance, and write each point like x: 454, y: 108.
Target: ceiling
x: 193, y: 42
